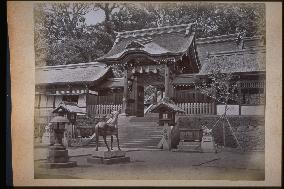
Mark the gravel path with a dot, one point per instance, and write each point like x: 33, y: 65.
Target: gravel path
x: 147, y: 164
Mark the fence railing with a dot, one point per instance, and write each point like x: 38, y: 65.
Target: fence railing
x: 102, y: 110
x: 197, y: 108
x: 253, y: 84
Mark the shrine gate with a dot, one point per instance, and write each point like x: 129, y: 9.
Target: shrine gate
x: 152, y: 57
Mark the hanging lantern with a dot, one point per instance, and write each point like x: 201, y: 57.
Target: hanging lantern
x: 133, y: 70
x: 147, y: 70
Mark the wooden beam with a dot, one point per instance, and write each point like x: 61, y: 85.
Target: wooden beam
x: 239, y: 96
x: 167, y: 80
x: 125, y: 92
x: 155, y: 95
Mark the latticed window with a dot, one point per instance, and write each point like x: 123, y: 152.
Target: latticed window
x: 253, y: 97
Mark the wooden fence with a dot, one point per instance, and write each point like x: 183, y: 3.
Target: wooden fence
x: 197, y: 108
x: 189, y: 108
x: 102, y: 110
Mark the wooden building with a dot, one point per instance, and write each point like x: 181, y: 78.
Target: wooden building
x: 170, y: 59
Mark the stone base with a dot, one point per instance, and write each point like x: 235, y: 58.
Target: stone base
x: 59, y: 165
x: 189, y: 147
x: 208, y: 145
x: 57, y: 154
x: 98, y: 160
x: 109, y: 154
x: 108, y: 157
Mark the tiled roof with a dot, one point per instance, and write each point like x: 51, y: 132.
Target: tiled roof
x: 216, y: 44
x: 112, y: 83
x: 168, y: 104
x: 72, y: 73
x: 235, y: 61
x: 154, y: 41
x: 183, y: 79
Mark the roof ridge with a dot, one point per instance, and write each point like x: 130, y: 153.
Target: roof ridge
x: 156, y: 30
x: 217, y: 37
x: 70, y: 65
x: 239, y: 51
x: 224, y: 37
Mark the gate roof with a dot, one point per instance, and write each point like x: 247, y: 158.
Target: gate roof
x: 161, y: 42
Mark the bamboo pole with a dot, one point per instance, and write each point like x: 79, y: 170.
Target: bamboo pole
x: 230, y: 126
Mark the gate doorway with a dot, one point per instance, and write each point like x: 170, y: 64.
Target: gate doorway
x: 138, y: 82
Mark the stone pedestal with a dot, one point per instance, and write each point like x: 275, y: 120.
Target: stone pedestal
x: 208, y: 144
x: 108, y: 157
x: 165, y: 142
x: 189, y: 146
x: 58, y: 158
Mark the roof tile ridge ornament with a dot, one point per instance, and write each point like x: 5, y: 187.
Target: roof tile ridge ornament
x: 189, y: 28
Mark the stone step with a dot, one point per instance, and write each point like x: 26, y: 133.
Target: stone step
x: 137, y: 132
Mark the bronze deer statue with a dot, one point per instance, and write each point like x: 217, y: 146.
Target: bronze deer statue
x: 108, y: 128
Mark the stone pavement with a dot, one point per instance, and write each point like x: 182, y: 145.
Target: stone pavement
x: 157, y: 164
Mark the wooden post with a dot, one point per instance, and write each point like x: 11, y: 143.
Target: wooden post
x: 167, y: 80
x: 224, y: 132
x: 239, y: 97
x: 155, y: 96
x: 125, y: 93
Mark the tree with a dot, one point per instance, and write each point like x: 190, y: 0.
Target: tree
x: 63, y: 37
x: 133, y: 17
x: 108, y: 9
x: 222, y: 87
x: 212, y: 18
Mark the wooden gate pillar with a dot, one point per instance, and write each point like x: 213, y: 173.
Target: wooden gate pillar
x: 155, y: 96
x: 125, y: 93
x: 167, y: 80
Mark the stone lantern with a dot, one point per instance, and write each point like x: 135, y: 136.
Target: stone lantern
x: 70, y: 111
x: 167, y: 111
x: 66, y: 113
x: 58, y: 154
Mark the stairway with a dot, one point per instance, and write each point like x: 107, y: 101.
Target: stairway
x: 137, y: 132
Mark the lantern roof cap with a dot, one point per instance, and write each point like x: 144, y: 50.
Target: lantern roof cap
x: 59, y: 119
x: 68, y: 107
x: 167, y: 104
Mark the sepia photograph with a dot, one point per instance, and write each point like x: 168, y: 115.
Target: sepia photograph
x: 150, y: 91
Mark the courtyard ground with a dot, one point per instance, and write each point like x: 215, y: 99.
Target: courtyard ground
x: 157, y: 164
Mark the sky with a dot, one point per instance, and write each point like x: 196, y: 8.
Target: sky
x: 94, y: 17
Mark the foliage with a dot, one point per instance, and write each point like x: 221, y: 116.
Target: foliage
x: 62, y: 35
x: 219, y: 86
x: 132, y: 17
